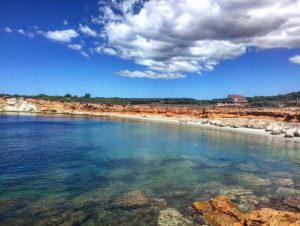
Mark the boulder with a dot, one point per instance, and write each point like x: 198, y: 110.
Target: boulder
x: 132, y: 200
x: 172, y: 217
x: 297, y: 132
x: 289, y: 133
x: 277, y: 130
x: 222, y: 212
x: 270, y: 127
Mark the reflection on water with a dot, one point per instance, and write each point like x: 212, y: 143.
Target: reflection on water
x: 83, y: 171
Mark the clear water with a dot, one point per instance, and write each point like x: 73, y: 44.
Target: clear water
x: 69, y: 170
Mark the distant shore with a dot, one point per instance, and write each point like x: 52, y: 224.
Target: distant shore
x: 281, y: 123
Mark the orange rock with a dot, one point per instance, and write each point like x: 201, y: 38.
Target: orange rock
x: 220, y: 211
x: 202, y: 206
x: 216, y: 218
x: 270, y: 217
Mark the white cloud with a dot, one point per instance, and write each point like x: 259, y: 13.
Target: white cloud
x: 21, y: 31
x: 61, y: 36
x: 295, y: 59
x: 75, y: 46
x: 87, y: 31
x: 8, y: 30
x: 192, y: 36
x: 65, y: 22
x: 149, y: 74
x: 83, y: 53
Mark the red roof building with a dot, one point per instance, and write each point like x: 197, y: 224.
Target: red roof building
x: 237, y: 99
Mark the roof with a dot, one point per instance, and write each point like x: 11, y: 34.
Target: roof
x: 237, y: 98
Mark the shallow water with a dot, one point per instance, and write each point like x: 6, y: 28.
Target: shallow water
x: 70, y: 170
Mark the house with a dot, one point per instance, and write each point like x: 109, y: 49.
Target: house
x: 237, y: 100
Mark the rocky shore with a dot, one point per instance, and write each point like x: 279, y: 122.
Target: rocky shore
x: 220, y: 211
x: 276, y: 121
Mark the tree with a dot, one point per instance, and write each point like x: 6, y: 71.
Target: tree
x: 87, y: 95
x: 68, y: 95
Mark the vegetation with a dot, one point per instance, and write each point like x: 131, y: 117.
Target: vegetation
x: 256, y: 101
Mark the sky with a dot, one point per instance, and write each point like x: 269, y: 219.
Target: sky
x: 201, y: 49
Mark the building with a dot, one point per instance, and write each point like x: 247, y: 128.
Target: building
x: 237, y: 100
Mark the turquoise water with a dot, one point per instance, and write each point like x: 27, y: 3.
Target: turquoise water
x: 71, y: 170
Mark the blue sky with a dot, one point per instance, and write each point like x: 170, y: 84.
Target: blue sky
x: 149, y: 49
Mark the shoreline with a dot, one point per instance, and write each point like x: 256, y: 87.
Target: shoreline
x: 162, y: 119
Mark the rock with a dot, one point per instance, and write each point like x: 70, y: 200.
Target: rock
x: 292, y: 201
x: 257, y: 124
x: 297, y: 132
x: 290, y: 133
x: 251, y: 179
x: 132, y: 200
x: 281, y: 174
x: 245, y: 198
x: 159, y: 203
x: 216, y: 122
x: 277, y: 130
x: 172, y: 217
x: 286, y: 191
x: 202, y: 206
x: 270, y: 217
x: 284, y: 182
x: 225, y: 213
x: 270, y: 127
x: 247, y: 167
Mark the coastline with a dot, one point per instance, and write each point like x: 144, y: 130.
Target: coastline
x: 180, y: 121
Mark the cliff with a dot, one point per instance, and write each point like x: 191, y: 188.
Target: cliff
x: 8, y: 104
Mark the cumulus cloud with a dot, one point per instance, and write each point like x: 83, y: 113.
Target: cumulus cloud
x: 150, y: 74
x: 87, y: 30
x: 295, y: 59
x: 177, y: 37
x: 75, y: 46
x: 61, y: 36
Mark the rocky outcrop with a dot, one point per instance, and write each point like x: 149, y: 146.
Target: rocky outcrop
x: 220, y: 211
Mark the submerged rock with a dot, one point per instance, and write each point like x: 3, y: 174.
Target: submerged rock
x: 245, y: 198
x: 172, y: 217
x: 247, y: 167
x: 132, y: 200
x: 284, y: 182
x: 220, y: 211
x: 281, y: 174
x: 292, y: 201
x: 286, y: 191
x: 252, y: 179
